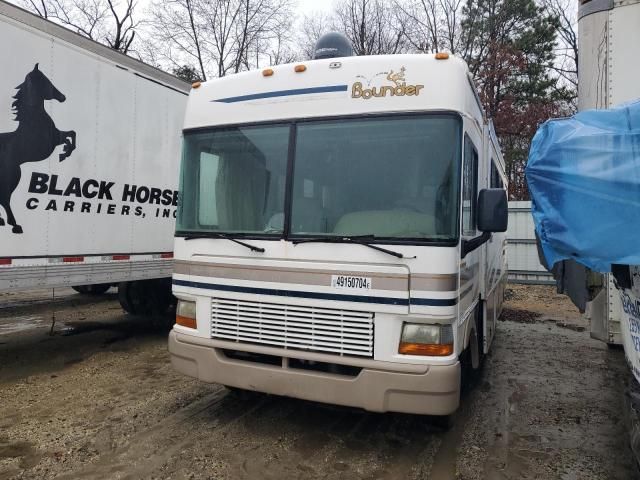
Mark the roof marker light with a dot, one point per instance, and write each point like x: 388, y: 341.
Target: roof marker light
x: 442, y: 56
x: 300, y: 68
x: 267, y: 72
x: 196, y: 84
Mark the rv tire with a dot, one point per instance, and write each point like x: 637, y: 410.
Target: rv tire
x: 479, y: 318
x: 470, y: 373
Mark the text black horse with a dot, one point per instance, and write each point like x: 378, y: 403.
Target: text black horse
x: 35, y: 138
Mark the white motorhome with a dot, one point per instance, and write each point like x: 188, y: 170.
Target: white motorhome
x: 89, y: 149
x: 339, y: 232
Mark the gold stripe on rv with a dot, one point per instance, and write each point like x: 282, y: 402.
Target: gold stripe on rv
x: 433, y: 283
x: 300, y: 276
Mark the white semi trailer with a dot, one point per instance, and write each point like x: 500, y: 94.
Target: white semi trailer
x: 89, y: 151
x: 609, y: 34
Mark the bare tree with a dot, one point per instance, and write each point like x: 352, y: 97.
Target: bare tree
x: 566, y: 54
x: 110, y: 22
x: 125, y: 27
x: 221, y: 22
x: 373, y: 26
x: 312, y: 27
x: 177, y: 35
x: 264, y: 24
x: 434, y: 25
x: 280, y: 50
x: 222, y: 36
x: 38, y: 7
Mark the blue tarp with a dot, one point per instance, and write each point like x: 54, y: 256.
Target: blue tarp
x: 583, y: 174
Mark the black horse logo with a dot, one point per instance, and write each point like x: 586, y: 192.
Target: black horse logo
x: 35, y: 138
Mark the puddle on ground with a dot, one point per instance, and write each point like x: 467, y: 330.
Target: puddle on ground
x: 23, y: 323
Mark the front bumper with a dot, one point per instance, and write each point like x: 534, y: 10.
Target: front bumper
x: 428, y: 390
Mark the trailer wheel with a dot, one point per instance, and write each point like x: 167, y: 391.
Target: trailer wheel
x: 146, y: 297
x: 123, y: 298
x: 124, y: 294
x: 133, y: 297
x: 95, y: 289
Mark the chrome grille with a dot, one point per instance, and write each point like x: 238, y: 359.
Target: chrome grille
x: 343, y: 332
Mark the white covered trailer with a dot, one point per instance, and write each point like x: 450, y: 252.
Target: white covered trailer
x: 89, y: 149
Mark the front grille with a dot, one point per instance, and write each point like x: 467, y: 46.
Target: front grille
x: 342, y: 332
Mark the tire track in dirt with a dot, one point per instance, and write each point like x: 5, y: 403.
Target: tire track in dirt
x: 291, y: 440
x: 446, y: 457
x: 332, y: 443
x: 134, y: 459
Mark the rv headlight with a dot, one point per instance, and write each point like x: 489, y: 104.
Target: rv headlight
x: 423, y: 339
x: 186, y: 314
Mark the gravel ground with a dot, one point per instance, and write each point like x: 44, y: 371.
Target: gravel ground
x: 94, y: 396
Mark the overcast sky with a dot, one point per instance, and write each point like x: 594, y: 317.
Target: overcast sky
x: 304, y: 6
x: 309, y: 6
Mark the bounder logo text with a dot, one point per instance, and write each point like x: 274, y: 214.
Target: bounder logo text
x: 398, y: 87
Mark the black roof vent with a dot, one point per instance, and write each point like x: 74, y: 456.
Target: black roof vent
x: 332, y: 45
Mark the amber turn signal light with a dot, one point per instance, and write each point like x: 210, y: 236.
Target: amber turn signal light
x: 186, y: 314
x: 425, y: 349
x: 186, y: 322
x: 425, y: 339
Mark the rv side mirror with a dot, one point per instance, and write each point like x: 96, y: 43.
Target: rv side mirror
x: 493, y: 212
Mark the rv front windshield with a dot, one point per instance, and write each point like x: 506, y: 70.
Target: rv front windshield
x: 233, y: 180
x: 391, y: 177
x: 394, y: 177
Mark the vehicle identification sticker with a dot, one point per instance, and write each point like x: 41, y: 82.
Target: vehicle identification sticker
x: 351, y: 283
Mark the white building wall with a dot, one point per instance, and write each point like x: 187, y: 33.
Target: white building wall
x: 524, y: 266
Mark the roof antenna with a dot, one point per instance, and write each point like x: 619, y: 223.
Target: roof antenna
x: 332, y: 45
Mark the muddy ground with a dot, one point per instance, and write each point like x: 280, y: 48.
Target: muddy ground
x: 94, y: 396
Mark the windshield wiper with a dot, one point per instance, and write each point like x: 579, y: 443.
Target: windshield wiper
x: 226, y: 237
x: 357, y: 239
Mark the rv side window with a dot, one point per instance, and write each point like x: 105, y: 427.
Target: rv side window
x: 209, y: 168
x: 469, y: 187
x: 496, y: 180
